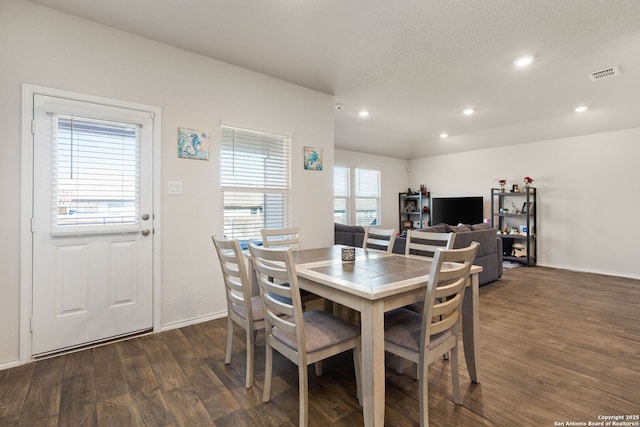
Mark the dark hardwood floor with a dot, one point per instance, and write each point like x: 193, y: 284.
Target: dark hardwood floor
x: 557, y: 346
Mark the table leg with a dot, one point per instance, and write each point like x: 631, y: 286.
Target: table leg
x: 471, y: 328
x: 373, y: 368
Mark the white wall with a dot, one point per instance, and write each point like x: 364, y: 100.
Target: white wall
x: 47, y: 48
x: 588, y: 194
x: 394, y: 180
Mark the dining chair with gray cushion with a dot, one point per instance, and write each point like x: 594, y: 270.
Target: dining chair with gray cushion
x: 424, y: 338
x: 302, y: 337
x: 242, y: 309
x: 426, y: 243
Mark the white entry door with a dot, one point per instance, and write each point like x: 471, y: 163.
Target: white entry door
x: 92, y: 223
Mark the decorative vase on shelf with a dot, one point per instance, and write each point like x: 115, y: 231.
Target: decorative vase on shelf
x: 502, y: 183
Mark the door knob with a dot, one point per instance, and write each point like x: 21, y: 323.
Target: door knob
x: 145, y: 232
x: 145, y: 217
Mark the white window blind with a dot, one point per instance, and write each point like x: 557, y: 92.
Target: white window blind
x: 255, y: 179
x: 96, y: 167
x: 341, y: 195
x: 367, y: 197
x: 356, y: 196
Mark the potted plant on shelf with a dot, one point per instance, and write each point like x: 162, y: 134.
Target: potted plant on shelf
x: 502, y: 183
x: 527, y: 182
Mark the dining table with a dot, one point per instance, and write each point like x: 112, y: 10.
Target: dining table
x: 373, y: 284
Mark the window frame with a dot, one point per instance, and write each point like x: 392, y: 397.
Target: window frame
x: 345, y: 198
x: 62, y: 139
x: 275, y: 185
x: 354, y: 195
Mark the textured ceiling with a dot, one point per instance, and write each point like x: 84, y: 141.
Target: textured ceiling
x: 415, y: 64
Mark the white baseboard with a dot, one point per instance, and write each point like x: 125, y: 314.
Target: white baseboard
x: 9, y: 364
x: 590, y: 270
x: 193, y: 321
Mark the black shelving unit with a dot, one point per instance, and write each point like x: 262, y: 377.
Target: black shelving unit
x: 515, y: 212
x: 415, y: 208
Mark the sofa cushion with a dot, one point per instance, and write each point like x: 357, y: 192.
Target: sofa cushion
x: 348, y: 228
x: 481, y: 226
x: 486, y: 238
x: 455, y: 228
x: 440, y: 228
x: 350, y: 235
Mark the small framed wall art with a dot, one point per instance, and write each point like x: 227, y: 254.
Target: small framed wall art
x: 312, y: 158
x: 193, y: 144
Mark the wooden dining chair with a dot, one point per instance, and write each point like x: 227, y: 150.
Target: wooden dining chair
x: 302, y: 337
x: 242, y: 309
x: 379, y: 238
x: 424, y: 243
x: 423, y: 338
x: 285, y: 238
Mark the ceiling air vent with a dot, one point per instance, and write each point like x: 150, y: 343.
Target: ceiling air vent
x: 604, y: 74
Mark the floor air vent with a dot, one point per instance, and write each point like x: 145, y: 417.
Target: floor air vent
x: 604, y: 74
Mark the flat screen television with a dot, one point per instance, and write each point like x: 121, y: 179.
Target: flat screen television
x: 456, y: 210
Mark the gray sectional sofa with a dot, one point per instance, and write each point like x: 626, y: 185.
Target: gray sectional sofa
x: 489, y: 254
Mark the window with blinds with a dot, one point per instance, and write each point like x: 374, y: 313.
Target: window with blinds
x: 356, y: 196
x: 341, y: 195
x: 255, y: 180
x: 367, y: 197
x: 96, y: 165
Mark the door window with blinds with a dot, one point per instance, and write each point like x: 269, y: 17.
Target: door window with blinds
x: 356, y: 196
x: 255, y: 180
x: 96, y: 175
x: 341, y: 211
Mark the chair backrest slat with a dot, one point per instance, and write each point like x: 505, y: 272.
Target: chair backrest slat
x: 440, y: 326
x: 379, y: 238
x: 287, y: 237
x: 427, y: 242
x: 281, y: 322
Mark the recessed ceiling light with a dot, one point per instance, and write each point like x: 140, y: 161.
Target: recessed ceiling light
x: 363, y: 113
x: 581, y: 109
x: 444, y: 135
x: 523, y: 61
x: 468, y: 111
